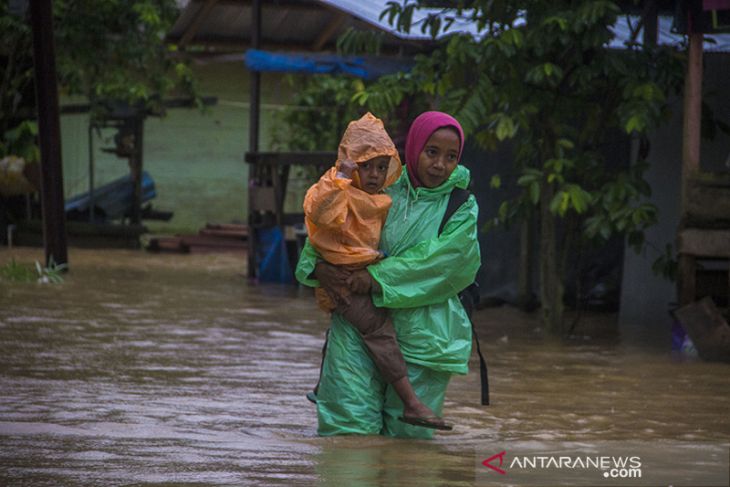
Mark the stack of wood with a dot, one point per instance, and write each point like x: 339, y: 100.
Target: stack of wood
x: 214, y: 237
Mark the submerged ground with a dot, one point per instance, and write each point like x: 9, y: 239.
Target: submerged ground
x: 174, y: 369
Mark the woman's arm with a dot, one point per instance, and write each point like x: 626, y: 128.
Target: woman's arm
x: 434, y: 270
x: 313, y: 271
x: 305, y: 267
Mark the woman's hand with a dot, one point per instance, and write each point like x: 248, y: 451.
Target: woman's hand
x: 360, y: 282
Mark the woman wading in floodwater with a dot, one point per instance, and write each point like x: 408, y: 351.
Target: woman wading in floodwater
x: 418, y: 282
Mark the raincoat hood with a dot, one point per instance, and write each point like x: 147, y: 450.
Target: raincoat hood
x: 365, y: 139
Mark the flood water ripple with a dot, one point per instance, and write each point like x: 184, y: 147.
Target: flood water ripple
x: 158, y: 369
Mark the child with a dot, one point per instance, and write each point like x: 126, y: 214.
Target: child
x: 344, y: 214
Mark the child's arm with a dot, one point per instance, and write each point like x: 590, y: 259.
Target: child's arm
x: 326, y: 203
x: 347, y: 167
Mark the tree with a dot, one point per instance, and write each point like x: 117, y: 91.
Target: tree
x: 318, y: 113
x: 106, y: 51
x: 115, y: 50
x: 541, y: 75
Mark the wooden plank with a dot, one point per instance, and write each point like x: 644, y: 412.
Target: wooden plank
x: 200, y: 17
x: 313, y: 158
x: 228, y: 226
x: 213, y: 242
x: 262, y: 198
x: 337, y: 21
x: 704, y: 243
x: 167, y: 244
x: 224, y: 234
x: 707, y: 204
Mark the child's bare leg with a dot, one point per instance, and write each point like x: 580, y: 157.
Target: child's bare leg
x: 412, y: 406
x: 377, y: 330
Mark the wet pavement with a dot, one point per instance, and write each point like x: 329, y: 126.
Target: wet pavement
x: 144, y: 369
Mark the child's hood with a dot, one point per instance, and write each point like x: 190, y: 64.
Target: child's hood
x: 365, y: 139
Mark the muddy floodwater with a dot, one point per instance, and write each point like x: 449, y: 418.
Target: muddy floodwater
x: 144, y: 369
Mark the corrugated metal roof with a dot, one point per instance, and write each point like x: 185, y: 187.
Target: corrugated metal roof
x: 286, y: 24
x: 312, y: 25
x: 665, y: 35
x: 370, y: 11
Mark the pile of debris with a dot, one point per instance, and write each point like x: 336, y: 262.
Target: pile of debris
x: 215, y: 237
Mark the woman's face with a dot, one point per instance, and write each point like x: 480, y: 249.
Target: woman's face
x: 439, y: 157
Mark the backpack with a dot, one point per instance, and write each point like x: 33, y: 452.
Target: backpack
x: 469, y: 297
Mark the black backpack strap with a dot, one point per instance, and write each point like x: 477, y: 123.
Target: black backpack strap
x: 457, y: 198
x: 482, y: 368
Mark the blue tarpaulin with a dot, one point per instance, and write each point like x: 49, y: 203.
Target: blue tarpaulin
x: 360, y: 66
x: 272, y: 256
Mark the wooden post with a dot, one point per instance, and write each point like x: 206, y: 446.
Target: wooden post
x: 91, y: 172
x: 651, y: 23
x: 136, y: 163
x: 692, y: 115
x: 253, y: 134
x: 692, y: 123
x: 524, y: 273
x: 52, y: 200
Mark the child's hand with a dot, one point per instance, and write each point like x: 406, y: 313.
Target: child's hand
x: 360, y: 282
x: 347, y: 167
x: 334, y: 280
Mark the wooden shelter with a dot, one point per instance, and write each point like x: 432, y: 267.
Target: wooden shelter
x: 704, y: 229
x: 223, y: 28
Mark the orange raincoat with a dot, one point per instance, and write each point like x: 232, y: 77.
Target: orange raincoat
x: 344, y: 222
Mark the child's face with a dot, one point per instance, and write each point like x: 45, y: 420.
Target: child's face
x: 372, y: 173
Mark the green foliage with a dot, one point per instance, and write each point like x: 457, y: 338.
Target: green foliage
x: 355, y: 41
x: 16, y: 70
x: 111, y: 50
x: 318, y: 113
x: 541, y: 76
x: 114, y: 50
x: 21, y: 142
x: 12, y: 271
x: 50, y: 274
x: 15, y: 272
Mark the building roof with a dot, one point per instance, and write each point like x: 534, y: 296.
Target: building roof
x: 315, y: 25
x: 713, y: 42
x: 301, y: 25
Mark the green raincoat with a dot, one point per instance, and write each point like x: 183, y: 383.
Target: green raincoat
x: 420, y: 280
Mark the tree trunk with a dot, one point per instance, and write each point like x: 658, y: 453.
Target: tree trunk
x: 551, y: 285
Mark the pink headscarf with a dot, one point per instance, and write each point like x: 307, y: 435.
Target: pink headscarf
x: 421, y: 129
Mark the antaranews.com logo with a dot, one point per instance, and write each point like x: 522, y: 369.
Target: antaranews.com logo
x: 611, y: 467
x: 613, y: 463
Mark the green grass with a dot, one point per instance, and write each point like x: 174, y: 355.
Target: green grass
x: 15, y: 272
